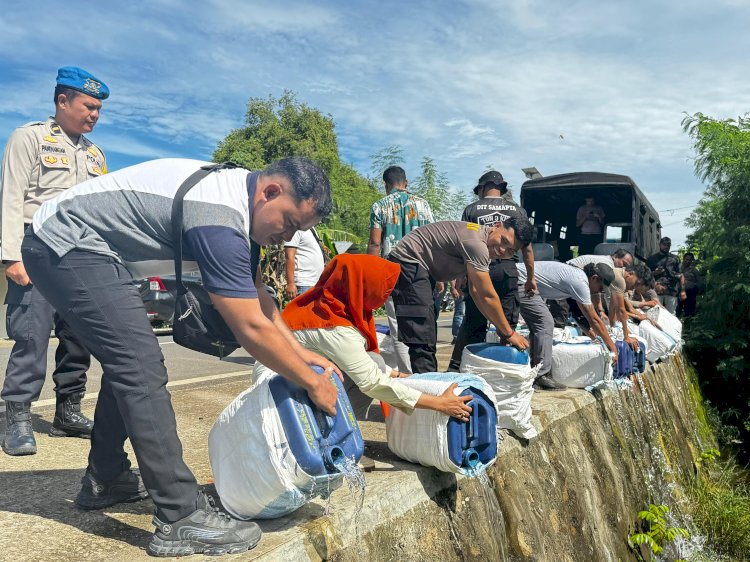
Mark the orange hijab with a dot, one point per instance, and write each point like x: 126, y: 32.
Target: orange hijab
x: 349, y: 289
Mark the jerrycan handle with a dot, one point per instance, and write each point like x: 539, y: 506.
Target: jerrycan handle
x: 330, y: 421
x: 480, y: 432
x: 324, y: 419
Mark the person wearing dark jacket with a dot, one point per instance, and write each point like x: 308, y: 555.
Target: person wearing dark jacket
x: 666, y: 269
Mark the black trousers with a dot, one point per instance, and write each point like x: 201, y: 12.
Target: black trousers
x: 96, y: 297
x: 560, y: 311
x: 687, y: 307
x: 504, y: 276
x: 587, y: 243
x: 29, y: 319
x: 415, y: 314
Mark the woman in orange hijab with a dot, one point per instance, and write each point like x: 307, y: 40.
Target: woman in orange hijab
x: 334, y: 318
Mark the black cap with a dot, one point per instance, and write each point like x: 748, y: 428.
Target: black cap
x: 665, y: 240
x: 490, y: 177
x: 606, y: 273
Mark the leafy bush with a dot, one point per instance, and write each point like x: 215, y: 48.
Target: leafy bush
x: 720, y: 499
x: 656, y: 530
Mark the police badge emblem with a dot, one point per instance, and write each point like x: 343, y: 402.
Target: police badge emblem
x: 92, y: 86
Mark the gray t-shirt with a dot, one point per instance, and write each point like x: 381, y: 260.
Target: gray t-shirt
x: 557, y: 280
x: 128, y: 215
x: 444, y: 248
x: 618, y: 284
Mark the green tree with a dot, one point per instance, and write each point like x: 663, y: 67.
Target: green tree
x: 717, y: 338
x: 447, y: 203
x: 384, y: 158
x: 279, y: 127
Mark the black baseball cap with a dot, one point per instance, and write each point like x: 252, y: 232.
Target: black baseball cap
x: 606, y: 273
x: 490, y: 177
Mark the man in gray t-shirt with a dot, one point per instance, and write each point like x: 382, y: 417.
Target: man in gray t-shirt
x: 442, y: 251
x: 554, y: 281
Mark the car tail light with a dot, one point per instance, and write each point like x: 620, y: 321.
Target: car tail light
x: 156, y: 284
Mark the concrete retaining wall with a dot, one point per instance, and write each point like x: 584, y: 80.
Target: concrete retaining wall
x: 572, y: 494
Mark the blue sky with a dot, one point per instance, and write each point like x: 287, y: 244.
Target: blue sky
x: 563, y: 86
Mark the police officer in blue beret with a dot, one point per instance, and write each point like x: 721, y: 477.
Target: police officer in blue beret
x: 41, y: 160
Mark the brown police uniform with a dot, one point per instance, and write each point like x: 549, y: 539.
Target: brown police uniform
x: 39, y: 163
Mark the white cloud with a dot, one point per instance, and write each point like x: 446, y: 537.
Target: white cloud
x: 129, y: 146
x: 470, y: 83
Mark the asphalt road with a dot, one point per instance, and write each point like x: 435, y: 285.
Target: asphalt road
x: 183, y: 365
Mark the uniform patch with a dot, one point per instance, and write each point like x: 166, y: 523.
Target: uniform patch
x: 96, y: 170
x: 65, y: 160
x: 55, y: 129
x: 93, y: 151
x: 92, y: 86
x: 48, y: 138
x: 50, y: 159
x: 472, y: 226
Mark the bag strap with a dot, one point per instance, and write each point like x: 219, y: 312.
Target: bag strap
x: 177, y: 211
x: 322, y: 246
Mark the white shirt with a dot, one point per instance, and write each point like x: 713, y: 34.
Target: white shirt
x: 308, y: 261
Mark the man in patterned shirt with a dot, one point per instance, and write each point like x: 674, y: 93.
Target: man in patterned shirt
x: 391, y: 218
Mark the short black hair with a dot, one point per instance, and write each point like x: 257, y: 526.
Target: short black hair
x: 642, y: 272
x: 523, y: 229
x: 70, y: 93
x: 394, y: 175
x: 590, y: 270
x: 665, y: 240
x: 308, y: 181
x: 619, y: 254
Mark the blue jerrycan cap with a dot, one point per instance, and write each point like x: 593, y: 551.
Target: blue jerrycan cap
x: 318, y: 442
x: 499, y: 352
x: 473, y: 441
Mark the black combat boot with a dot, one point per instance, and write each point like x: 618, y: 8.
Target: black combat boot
x: 69, y: 420
x: 19, y: 437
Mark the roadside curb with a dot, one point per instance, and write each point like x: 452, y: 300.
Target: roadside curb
x: 49, y: 404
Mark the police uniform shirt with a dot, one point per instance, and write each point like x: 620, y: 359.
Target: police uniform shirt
x: 444, y: 248
x: 490, y: 210
x: 40, y: 162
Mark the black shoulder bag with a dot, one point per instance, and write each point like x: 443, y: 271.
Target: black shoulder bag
x: 197, y: 325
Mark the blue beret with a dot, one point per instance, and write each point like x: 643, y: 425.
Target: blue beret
x: 78, y: 79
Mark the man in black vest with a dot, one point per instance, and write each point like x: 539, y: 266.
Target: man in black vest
x: 494, y: 205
